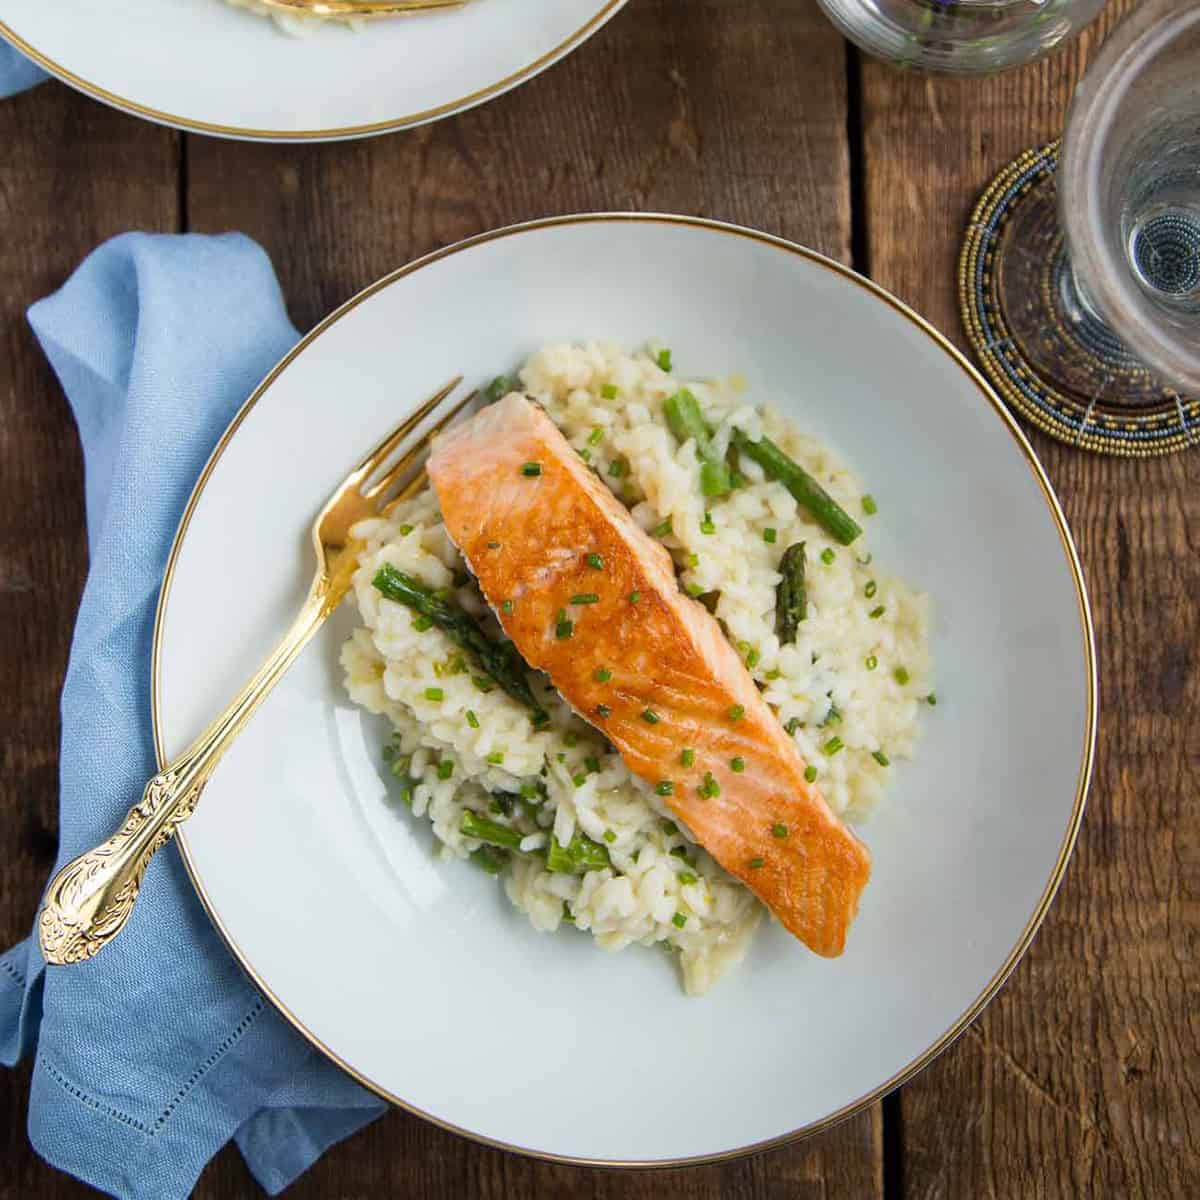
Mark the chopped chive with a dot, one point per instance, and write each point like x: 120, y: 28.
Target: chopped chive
x: 603, y: 711
x: 669, y: 828
x: 472, y: 719
x: 445, y: 769
x: 579, y: 780
x: 634, y: 597
x: 756, y: 864
x: 881, y: 758
x: 608, y: 391
x: 688, y: 757
x: 869, y: 505
x: 649, y: 716
x: 585, y: 454
x: 779, y: 831
x: 585, y: 598
x: 592, y: 763
x: 665, y: 788
x: 507, y: 606
x: 872, y: 662
x: 870, y: 589
x: 422, y: 623
x: 540, y: 718
x: 694, y: 590
x: 832, y: 746
x: 692, y: 560
x: 406, y: 796
x: 769, y: 535
x: 405, y: 530
x: 710, y: 786
x: 707, y: 526
x: 737, y: 764
x: 498, y: 388
x: 595, y: 562
x: 810, y: 774
x: 595, y: 437
x: 601, y: 674
x: 876, y: 613
x: 686, y: 877
x: 931, y: 699
x: 662, y: 528
x: 401, y: 765
x: 570, y: 739
x: 752, y: 658
x: 564, y: 629
x: 793, y: 723
x: 679, y: 920
x: 529, y: 791
x: 663, y: 359
x: 483, y: 683
x: 435, y: 694
x: 737, y: 712
x: 827, y: 556
x: 679, y: 852
x: 531, y: 468
x: 900, y: 675
x: 609, y: 836
x: 616, y: 468
x: 493, y: 545
x: 774, y: 673
x: 496, y: 757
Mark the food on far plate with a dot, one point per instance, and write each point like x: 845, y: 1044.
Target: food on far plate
x: 299, y: 22
x: 639, y: 659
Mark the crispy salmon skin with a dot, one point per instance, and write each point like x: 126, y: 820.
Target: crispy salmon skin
x: 588, y: 597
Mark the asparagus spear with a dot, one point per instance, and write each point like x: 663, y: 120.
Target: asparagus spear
x: 490, y: 832
x: 686, y: 421
x: 808, y: 492
x: 579, y: 857
x: 500, y: 660
x: 791, y: 596
x: 490, y: 859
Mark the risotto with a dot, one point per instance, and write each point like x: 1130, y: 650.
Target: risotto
x: 850, y: 687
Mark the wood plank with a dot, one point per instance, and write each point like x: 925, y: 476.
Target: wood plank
x: 731, y: 111
x: 72, y: 173
x: 1081, y: 1078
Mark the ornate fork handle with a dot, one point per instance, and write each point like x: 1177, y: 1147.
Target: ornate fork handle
x: 91, y: 898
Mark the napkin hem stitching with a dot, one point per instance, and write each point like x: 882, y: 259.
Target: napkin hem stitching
x: 211, y: 1061
x: 116, y: 1114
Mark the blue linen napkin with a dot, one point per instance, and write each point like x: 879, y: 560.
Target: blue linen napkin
x: 153, y: 1055
x: 16, y: 71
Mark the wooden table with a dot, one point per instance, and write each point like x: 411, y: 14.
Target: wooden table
x: 1081, y: 1078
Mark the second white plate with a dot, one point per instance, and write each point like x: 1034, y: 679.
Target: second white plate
x: 204, y: 66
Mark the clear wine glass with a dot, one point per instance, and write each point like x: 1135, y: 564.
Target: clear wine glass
x: 1083, y: 294
x: 960, y: 37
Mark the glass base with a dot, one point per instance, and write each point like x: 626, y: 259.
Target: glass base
x: 1040, y: 340
x: 1057, y: 329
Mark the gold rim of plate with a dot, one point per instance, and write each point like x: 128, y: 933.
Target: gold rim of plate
x: 390, y: 125
x: 1085, y: 619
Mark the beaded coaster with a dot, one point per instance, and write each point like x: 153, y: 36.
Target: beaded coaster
x: 1073, y: 380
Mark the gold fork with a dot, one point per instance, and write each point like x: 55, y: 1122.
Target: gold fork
x: 90, y: 899
x: 358, y: 8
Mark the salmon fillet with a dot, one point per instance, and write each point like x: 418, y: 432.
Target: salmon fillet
x: 645, y: 664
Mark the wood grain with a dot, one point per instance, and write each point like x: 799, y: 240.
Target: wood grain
x: 71, y: 174
x: 1081, y: 1078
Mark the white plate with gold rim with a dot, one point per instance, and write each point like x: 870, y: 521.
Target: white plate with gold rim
x: 445, y: 1000
x: 203, y: 65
